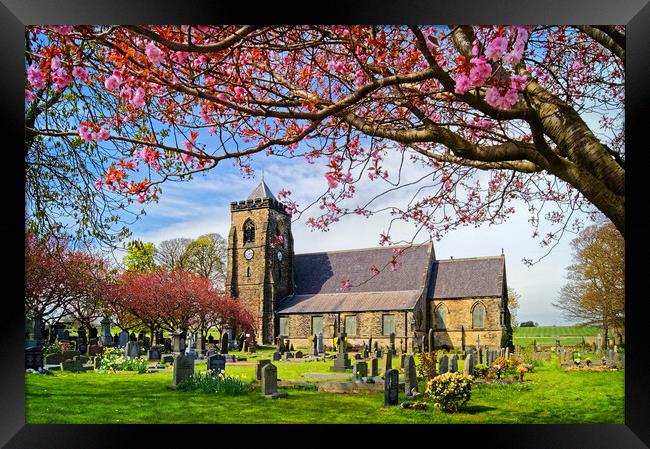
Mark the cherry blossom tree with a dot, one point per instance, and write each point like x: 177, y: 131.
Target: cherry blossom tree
x: 498, y: 115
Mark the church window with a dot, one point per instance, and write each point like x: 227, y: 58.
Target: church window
x: 478, y: 316
x: 441, y: 317
x: 388, y: 324
x: 248, y: 272
x: 351, y: 325
x: 316, y: 325
x: 284, y: 326
x: 249, y: 232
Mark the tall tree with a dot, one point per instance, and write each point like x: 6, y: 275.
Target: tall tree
x: 520, y: 102
x: 140, y: 256
x: 206, y: 256
x: 513, y: 305
x: 172, y: 253
x: 595, y: 291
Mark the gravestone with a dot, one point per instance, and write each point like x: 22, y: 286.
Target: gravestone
x: 280, y: 345
x: 241, y: 340
x: 116, y: 340
x: 216, y: 363
x: 410, y: 376
x: 430, y: 340
x: 53, y: 359
x: 376, y: 347
x: 365, y: 353
x: 401, y: 361
x: 359, y: 370
x: 133, y: 337
x: 94, y: 350
x: 276, y: 356
x: 299, y: 354
x: 374, y: 367
x: 178, y: 343
x: 370, y: 344
x: 34, y: 357
x: 270, y: 382
x: 453, y: 363
x: 342, y: 362
x: 124, y: 338
x: 357, y: 356
x: 321, y: 346
x: 224, y: 343
x: 391, y: 387
x: 388, y: 362
x: 443, y: 364
x: 154, y: 354
x: 132, y: 349
x: 286, y: 356
x: 183, y: 368
x: 258, y: 368
x: 481, y: 356
x: 507, y: 353
x: 313, y: 345
x: 106, y: 338
x: 468, y: 369
x: 72, y: 365
x: 167, y: 358
x: 392, y: 343
x: 69, y: 354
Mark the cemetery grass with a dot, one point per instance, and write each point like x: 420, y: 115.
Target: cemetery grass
x: 545, y: 335
x: 548, y: 395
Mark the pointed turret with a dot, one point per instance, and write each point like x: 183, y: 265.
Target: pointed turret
x: 261, y: 191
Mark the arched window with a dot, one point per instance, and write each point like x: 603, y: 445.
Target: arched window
x: 478, y: 316
x: 441, y: 317
x: 249, y: 232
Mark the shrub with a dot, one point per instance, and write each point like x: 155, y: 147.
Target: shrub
x: 426, y: 365
x: 54, y: 348
x: 113, y: 359
x: 450, y: 391
x: 220, y: 384
x: 481, y: 370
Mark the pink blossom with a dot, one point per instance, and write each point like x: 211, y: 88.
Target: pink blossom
x: 495, y: 99
x: 346, y: 284
x: 80, y: 73
x: 155, y: 54
x: 84, y: 133
x: 181, y: 56
x: 222, y: 97
x: 125, y: 93
x: 114, y: 81
x: 61, y: 79
x: 35, y: 77
x: 480, y: 71
x: 496, y: 48
x: 518, y: 82
x: 62, y: 29
x: 29, y: 96
x: 100, y: 135
x: 462, y: 84
x: 56, y: 63
x: 331, y: 180
x: 475, y: 47
x: 187, y: 158
x: 142, y: 196
x: 138, y: 98
x: 98, y: 184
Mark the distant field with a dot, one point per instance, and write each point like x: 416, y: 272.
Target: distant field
x: 545, y: 335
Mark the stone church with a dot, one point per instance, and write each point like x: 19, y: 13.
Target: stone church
x: 292, y: 295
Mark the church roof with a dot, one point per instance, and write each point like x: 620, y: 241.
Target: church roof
x: 463, y: 278
x: 261, y: 191
x: 319, y: 280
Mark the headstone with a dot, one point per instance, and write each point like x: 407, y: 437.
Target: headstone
x: 313, y: 345
x: 133, y: 337
x: 216, y: 363
x: 388, y: 362
x: 53, y: 359
x: 280, y: 346
x: 94, y: 350
x: 430, y: 340
x: 258, y: 368
x: 154, y: 354
x: 401, y: 361
x: 224, y: 343
x: 72, y: 365
x: 116, y: 340
x: 34, y: 357
x: 287, y: 355
x: 468, y: 369
x: 360, y: 370
x: 410, y: 376
x: 106, y: 338
x: 392, y: 343
x: 167, y: 358
x: 357, y: 356
x: 69, y: 354
x: 183, y: 368
x: 443, y: 364
x: 276, y: 356
x: 391, y: 387
x: 453, y: 363
x: 507, y: 353
x: 374, y: 367
x: 321, y: 346
x: 124, y: 338
x: 210, y: 339
x: 298, y: 354
x: 270, y: 382
x: 178, y: 343
x: 132, y: 349
x: 365, y: 353
x: 370, y: 344
x: 240, y: 341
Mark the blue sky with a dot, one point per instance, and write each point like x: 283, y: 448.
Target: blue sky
x: 196, y: 207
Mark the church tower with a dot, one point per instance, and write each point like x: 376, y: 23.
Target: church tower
x: 260, y: 257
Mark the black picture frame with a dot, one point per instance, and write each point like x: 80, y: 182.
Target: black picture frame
x: 15, y: 14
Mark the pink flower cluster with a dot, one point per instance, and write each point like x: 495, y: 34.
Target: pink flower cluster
x: 80, y: 73
x: 506, y: 98
x: 150, y: 156
x: 135, y: 98
x: 35, y: 76
x: 93, y: 136
x: 155, y: 54
x: 479, y: 72
x: 114, y: 81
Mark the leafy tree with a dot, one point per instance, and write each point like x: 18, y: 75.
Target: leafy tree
x: 206, y: 256
x: 140, y: 256
x: 513, y: 305
x: 496, y: 114
x: 595, y: 291
x: 528, y: 324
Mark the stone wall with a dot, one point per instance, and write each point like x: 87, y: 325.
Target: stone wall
x: 459, y: 313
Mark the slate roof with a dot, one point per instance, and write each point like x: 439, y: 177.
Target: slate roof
x: 261, y: 191
x: 319, y: 276
x: 462, y: 278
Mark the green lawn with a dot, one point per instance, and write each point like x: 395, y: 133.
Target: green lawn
x: 545, y: 335
x: 549, y: 395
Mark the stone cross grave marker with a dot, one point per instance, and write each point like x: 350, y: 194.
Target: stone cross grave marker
x: 360, y: 370
x: 453, y: 363
x: 411, y: 379
x: 391, y: 387
x: 443, y: 364
x: 183, y: 368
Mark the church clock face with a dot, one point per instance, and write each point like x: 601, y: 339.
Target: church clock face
x: 248, y: 254
x: 280, y: 256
